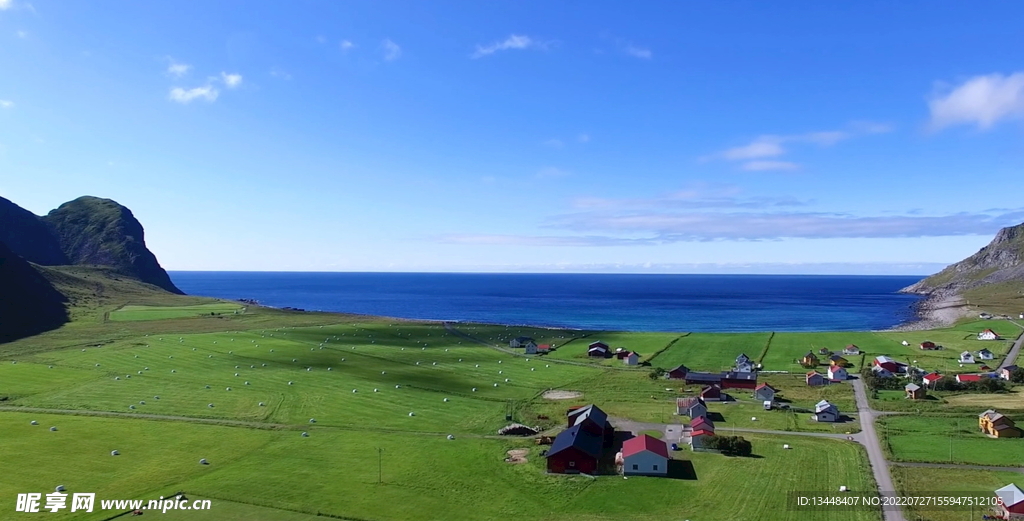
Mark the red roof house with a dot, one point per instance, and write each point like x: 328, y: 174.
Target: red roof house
x: 1011, y: 502
x: 931, y: 378
x: 927, y: 345
x: 645, y: 455
x: 711, y: 393
x: 964, y: 378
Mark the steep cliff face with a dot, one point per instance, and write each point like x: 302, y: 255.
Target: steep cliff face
x: 101, y: 232
x: 27, y: 235
x: 1002, y: 260
x: 29, y: 304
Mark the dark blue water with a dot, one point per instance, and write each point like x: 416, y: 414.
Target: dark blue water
x: 585, y: 301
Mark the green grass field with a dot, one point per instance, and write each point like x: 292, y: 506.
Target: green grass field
x: 712, y: 351
x: 941, y: 439
x: 916, y: 481
x: 131, y: 313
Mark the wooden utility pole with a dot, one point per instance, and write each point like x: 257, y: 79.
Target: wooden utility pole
x: 380, y: 467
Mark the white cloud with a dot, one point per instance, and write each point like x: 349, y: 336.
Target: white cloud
x: 638, y: 52
x: 178, y: 69
x: 762, y: 165
x: 21, y: 34
x: 981, y: 101
x: 6, y: 104
x: 515, y: 41
x: 764, y: 146
x: 231, y: 80
x: 278, y: 73
x: 554, y: 143
x: 583, y: 138
x: 391, y: 50
x: 6, y: 4
x: 184, y: 96
x: 346, y: 45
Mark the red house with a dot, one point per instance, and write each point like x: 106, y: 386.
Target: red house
x: 931, y: 378
x: 574, y: 451
x: 598, y: 349
x: 1011, y: 502
x: 678, y: 373
x: 928, y: 345
x: 964, y: 378
x: 889, y: 364
x: 739, y: 380
x: 711, y: 393
x: 701, y: 425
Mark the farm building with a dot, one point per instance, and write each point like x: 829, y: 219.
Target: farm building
x: 698, y: 438
x: 815, y: 379
x: 745, y: 367
x: 915, y: 392
x: 734, y: 380
x: 711, y: 393
x: 836, y: 360
x: 742, y: 359
x: 997, y: 425
x: 882, y: 372
x: 931, y: 378
x: 966, y: 358
x: 644, y: 456
x: 985, y: 354
x: 764, y: 393
x: 597, y: 350
x: 573, y: 451
x: 988, y: 334
x: 826, y: 412
x: 928, y: 345
x: 809, y: 360
x: 701, y: 423
x: 694, y: 377
x: 679, y: 373
x: 593, y: 420
x: 531, y: 348
x: 628, y: 357
x: 1006, y: 372
x: 543, y: 349
x: 851, y: 350
x: 824, y: 351
x: 889, y: 364
x: 520, y: 341
x: 837, y: 373
x: 1011, y: 502
x: 966, y: 378
x: 691, y: 406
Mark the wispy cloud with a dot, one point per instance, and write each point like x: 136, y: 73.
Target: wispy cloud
x: 583, y: 138
x: 637, y: 52
x: 176, y: 69
x: 981, y: 101
x: 21, y: 34
x: 231, y: 80
x: 185, y: 96
x: 6, y: 4
x: 550, y: 171
x: 554, y: 143
x: 346, y: 45
x: 6, y: 104
x: 513, y: 42
x: 278, y: 73
x: 763, y: 153
x: 391, y: 50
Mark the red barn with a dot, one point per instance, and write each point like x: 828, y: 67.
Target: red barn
x: 574, y: 451
x: 931, y: 378
x: 678, y: 373
x: 739, y: 380
x: 1011, y: 502
x: 928, y: 345
x: 594, y: 421
x: 711, y: 393
x: 889, y: 364
x: 964, y: 378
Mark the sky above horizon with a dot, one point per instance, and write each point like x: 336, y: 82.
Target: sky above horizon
x: 723, y: 137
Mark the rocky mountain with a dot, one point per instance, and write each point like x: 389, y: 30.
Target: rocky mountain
x: 29, y: 303
x: 101, y: 232
x: 1000, y: 262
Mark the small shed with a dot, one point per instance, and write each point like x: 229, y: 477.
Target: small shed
x: 826, y: 412
x: 837, y: 373
x: 765, y: 393
x: 928, y: 345
x: 851, y: 350
x: 815, y: 379
x: 915, y: 392
x: 711, y: 393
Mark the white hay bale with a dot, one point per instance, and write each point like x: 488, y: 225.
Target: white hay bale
x: 156, y: 397
x: 51, y: 367
x: 753, y: 418
x: 474, y: 389
x: 247, y: 382
x: 342, y: 359
x: 312, y: 420
x: 499, y: 372
x: 115, y: 453
x: 127, y: 376
x: 450, y: 437
x: 527, y: 359
x: 227, y: 388
x: 446, y: 399
x: 236, y: 374
x: 262, y: 404
x: 210, y: 405
x: 117, y: 378
x: 433, y: 363
x: 417, y: 363
x: 291, y: 382
x: 842, y: 488
x: 236, y: 367
x: 59, y: 488
x: 33, y: 422
x: 53, y: 429
x: 506, y: 380
x: 193, y: 349
x: 140, y: 372
x: 375, y: 390
x: 397, y: 386
x: 460, y: 359
x: 532, y: 369
x: 412, y: 414
x: 355, y: 390
x: 305, y: 434
x: 328, y: 368
x: 477, y: 365
x: 546, y: 365
x: 495, y: 385
x: 295, y: 359
x: 204, y: 462
x: 207, y: 386
x: 499, y: 361
x: 785, y: 446
x: 136, y: 356
x: 142, y: 402
x: 264, y: 365
x: 383, y: 372
x: 145, y: 369
x: 211, y: 356
x: 170, y: 356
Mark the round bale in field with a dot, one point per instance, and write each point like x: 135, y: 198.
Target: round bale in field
x: 117, y: 378
x: 397, y: 386
x: 474, y: 389
x: 305, y: 434
x: 204, y: 462
x: 328, y: 368
x: 262, y: 404
x: 375, y: 390
x: 495, y: 385
x: 207, y: 386
x: 312, y: 420
x: 412, y: 414
x: 33, y: 422
x: 210, y: 405
x: 156, y: 397
x: 290, y: 382
x: 227, y: 389
x: 115, y: 453
x: 59, y: 488
x: 355, y: 390
x: 446, y: 399
x: 247, y: 382
x: 142, y: 402
x: 53, y: 429
x: 450, y: 437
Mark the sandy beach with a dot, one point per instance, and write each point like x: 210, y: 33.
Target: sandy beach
x: 935, y: 311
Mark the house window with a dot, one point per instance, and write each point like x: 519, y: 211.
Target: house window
x: 655, y: 467
x: 572, y: 463
x: 636, y: 467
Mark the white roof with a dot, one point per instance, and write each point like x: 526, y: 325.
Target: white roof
x: 1010, y: 494
x: 965, y: 353
x: 823, y: 406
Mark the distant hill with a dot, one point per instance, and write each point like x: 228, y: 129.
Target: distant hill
x: 993, y: 276
x: 29, y: 304
x: 101, y: 232
x: 86, y: 231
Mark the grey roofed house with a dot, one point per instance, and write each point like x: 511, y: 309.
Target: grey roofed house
x: 912, y: 387
x: 520, y: 341
x: 745, y: 367
x: 742, y: 359
x: 825, y: 411
x: 764, y: 393
x: 589, y: 413
x: 577, y: 438
x: 692, y: 406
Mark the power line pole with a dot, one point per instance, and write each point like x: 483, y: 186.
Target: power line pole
x: 380, y: 467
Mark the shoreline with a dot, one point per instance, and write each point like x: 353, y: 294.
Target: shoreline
x: 936, y: 311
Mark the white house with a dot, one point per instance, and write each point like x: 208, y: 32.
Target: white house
x: 988, y: 334
x: 531, y: 347
x: 644, y: 456
x: 631, y: 359
x: 985, y: 354
x: 966, y: 358
x: 837, y: 373
x: 826, y: 412
x: 520, y: 341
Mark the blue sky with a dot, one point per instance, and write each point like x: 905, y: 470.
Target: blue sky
x: 753, y: 137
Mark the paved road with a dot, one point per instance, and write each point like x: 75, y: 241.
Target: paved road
x: 1011, y: 357
x: 958, y: 466
x: 869, y: 438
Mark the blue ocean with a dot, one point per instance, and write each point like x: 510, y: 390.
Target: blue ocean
x: 584, y: 301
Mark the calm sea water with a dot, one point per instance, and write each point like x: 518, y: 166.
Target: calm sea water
x: 585, y: 301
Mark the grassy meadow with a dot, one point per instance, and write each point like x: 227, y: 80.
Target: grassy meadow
x: 917, y: 481
x: 946, y: 439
